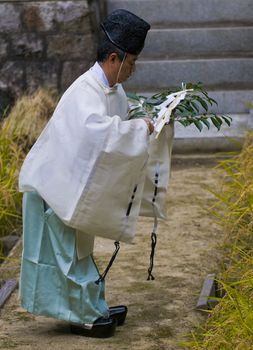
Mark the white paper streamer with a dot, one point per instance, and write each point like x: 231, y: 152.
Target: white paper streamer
x: 166, y: 109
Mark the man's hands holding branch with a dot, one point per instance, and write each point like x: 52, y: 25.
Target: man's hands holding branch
x: 150, y: 125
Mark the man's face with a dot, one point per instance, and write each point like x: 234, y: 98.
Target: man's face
x: 118, y: 71
x: 127, y: 68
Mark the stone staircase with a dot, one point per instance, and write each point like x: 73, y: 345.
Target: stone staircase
x: 199, y: 40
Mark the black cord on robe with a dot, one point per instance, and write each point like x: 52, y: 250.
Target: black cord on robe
x: 153, y: 234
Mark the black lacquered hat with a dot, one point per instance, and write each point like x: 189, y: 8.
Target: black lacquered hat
x: 126, y: 31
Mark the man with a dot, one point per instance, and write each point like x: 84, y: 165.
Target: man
x: 87, y: 151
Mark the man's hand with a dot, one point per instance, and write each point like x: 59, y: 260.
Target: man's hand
x: 150, y: 125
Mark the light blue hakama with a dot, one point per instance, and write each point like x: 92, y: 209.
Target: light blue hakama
x: 53, y: 281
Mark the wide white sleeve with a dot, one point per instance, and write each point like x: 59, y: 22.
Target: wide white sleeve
x: 86, y: 166
x: 158, y: 174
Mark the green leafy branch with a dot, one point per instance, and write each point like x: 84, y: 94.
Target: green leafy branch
x: 188, y: 111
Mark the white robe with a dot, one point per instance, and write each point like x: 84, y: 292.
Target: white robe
x: 89, y: 163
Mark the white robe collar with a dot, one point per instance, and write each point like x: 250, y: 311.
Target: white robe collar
x: 100, y: 76
x: 98, y: 71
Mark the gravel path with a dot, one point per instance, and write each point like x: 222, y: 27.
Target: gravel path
x: 162, y: 311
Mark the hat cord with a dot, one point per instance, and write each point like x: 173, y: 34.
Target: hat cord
x: 124, y: 58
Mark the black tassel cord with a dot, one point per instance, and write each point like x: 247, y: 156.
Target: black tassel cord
x: 116, y: 243
x: 153, y: 234
x: 103, y: 275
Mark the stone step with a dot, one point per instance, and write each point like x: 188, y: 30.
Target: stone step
x: 190, y: 139
x: 199, y: 42
x: 191, y: 41
x: 218, y: 74
x: 240, y: 124
x: 188, y: 12
x: 229, y: 102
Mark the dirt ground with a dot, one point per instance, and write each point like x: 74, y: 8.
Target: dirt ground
x: 161, y: 312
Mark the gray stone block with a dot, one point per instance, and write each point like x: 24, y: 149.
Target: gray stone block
x: 7, y: 243
x: 70, y: 46
x: 55, y: 15
x: 208, y: 294
x: 32, y: 17
x: 40, y: 36
x: 190, y: 139
x: 71, y: 71
x: 42, y: 74
x: 12, y: 76
x: 6, y: 101
x: 241, y: 123
x: 3, y: 48
x: 9, y: 17
x: 206, y: 145
x: 73, y: 16
x: 26, y: 45
x: 190, y: 12
x: 199, y: 42
x: 6, y: 289
x: 231, y: 101
x: 225, y: 73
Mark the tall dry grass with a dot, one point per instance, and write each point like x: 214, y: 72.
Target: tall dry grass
x: 18, y: 132
x: 230, y: 324
x: 29, y: 116
x: 10, y: 198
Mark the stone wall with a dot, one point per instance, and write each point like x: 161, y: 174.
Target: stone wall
x: 44, y: 43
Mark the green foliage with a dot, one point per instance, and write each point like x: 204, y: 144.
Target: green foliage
x: 230, y: 325
x: 192, y: 110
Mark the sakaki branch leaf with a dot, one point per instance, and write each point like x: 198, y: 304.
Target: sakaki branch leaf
x: 186, y: 112
x: 198, y: 124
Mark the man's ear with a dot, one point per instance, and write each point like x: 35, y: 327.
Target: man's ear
x: 113, y: 57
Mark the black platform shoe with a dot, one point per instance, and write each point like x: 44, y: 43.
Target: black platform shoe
x: 118, y: 313
x: 101, y: 328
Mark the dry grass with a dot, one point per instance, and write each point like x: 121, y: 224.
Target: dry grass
x: 230, y: 325
x: 10, y: 198
x: 29, y: 116
x: 18, y: 132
